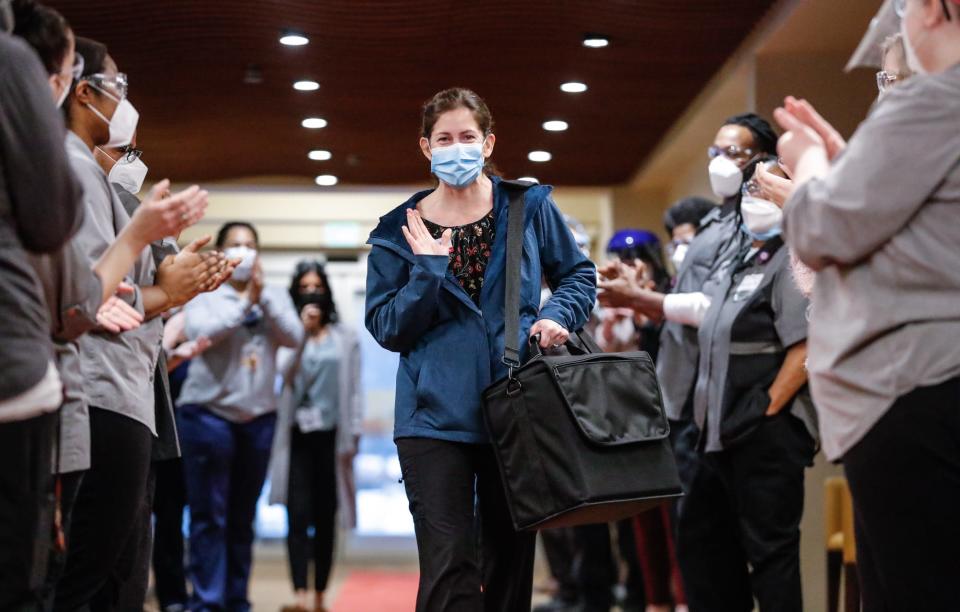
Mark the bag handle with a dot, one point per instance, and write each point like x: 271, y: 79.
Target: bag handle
x: 511, y: 310
x: 579, y: 343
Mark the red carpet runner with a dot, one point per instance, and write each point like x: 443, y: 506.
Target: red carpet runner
x: 377, y: 592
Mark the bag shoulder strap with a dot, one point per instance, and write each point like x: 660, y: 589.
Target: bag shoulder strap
x: 511, y: 311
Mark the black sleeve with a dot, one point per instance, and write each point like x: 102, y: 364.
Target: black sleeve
x: 45, y: 197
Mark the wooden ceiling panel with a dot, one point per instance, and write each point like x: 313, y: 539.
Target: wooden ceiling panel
x: 378, y: 61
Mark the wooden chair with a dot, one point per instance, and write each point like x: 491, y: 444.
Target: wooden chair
x: 841, y: 546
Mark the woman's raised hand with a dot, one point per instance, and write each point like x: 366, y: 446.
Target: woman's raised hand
x: 420, y: 240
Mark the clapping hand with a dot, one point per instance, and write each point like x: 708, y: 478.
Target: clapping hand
x: 774, y: 188
x: 191, y: 348
x: 621, y: 283
x: 256, y: 284
x: 116, y: 316
x: 189, y: 272
x: 809, y: 143
x: 804, y: 111
x: 162, y: 214
x: 310, y: 316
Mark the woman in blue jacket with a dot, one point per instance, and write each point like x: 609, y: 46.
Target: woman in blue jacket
x: 435, y: 294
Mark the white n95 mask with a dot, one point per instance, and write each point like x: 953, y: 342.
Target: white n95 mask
x: 726, y: 177
x: 129, y: 175
x: 679, y: 253
x: 761, y: 218
x: 244, y: 271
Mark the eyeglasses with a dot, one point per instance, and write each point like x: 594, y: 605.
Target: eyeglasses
x: 78, y: 64
x: 886, y: 80
x: 129, y: 154
x: 900, y: 7
x: 733, y: 152
x: 752, y: 188
x: 118, y: 83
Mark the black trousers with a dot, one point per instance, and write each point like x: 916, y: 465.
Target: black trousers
x: 740, y: 526
x: 582, y: 562
x: 69, y: 489
x: 169, y: 501
x: 596, y: 570
x: 560, y: 548
x: 312, y: 502
x: 904, y: 477
x: 106, y: 513
x: 26, y: 509
x: 136, y: 554
x: 471, y: 559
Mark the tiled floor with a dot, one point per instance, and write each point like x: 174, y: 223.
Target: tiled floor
x: 270, y: 587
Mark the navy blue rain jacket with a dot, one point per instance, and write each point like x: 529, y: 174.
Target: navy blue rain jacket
x: 450, y: 350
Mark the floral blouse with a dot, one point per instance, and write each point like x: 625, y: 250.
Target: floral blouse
x: 470, y: 252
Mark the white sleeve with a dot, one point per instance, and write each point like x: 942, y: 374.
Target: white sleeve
x: 686, y: 308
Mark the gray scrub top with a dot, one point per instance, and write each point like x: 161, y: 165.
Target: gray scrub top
x: 679, y: 347
x: 316, y: 386
x: 882, y: 230
x: 757, y: 314
x: 117, y: 369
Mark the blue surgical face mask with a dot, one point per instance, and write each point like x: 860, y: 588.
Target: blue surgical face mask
x: 457, y: 165
x: 761, y: 237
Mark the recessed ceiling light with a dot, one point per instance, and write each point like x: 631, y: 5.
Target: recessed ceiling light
x: 326, y: 180
x: 319, y: 155
x: 529, y: 179
x: 595, y: 41
x: 555, y: 125
x: 539, y: 156
x: 314, y: 123
x: 293, y: 39
x: 574, y: 87
x: 306, y: 85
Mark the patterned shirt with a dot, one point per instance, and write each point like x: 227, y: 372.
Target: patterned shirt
x: 470, y: 252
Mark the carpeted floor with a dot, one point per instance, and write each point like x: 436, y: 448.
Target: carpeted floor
x: 383, y: 591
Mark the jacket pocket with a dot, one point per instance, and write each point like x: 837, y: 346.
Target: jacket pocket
x: 448, y: 382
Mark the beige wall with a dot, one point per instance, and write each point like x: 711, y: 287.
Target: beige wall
x: 638, y: 208
x: 844, y: 98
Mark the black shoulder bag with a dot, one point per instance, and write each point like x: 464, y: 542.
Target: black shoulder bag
x: 579, y: 438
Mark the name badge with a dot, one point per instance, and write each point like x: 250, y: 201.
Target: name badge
x: 747, y: 286
x: 308, y: 418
